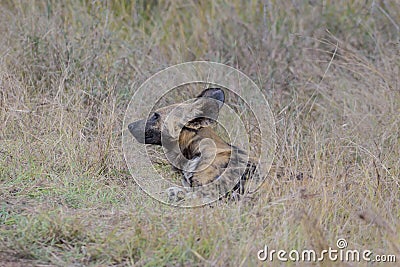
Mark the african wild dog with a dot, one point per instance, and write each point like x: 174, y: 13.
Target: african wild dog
x: 211, y: 167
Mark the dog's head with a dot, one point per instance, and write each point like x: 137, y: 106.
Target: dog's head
x: 165, y: 124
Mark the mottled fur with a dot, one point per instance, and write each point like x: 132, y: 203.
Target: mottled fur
x: 211, y: 167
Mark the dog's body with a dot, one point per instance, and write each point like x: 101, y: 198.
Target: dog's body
x: 211, y: 167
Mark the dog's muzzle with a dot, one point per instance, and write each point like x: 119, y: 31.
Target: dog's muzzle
x: 137, y: 129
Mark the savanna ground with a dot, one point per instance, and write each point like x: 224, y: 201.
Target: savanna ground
x: 329, y: 69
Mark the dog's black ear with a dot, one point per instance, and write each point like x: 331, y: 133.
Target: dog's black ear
x: 205, y: 109
x: 214, y: 93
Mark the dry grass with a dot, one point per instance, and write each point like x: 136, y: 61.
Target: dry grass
x: 329, y: 69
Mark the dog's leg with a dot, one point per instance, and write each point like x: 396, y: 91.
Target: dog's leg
x: 176, y: 194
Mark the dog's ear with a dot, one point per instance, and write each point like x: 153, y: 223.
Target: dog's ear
x: 207, y: 106
x: 214, y: 93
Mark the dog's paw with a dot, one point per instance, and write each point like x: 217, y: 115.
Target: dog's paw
x: 175, y: 194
